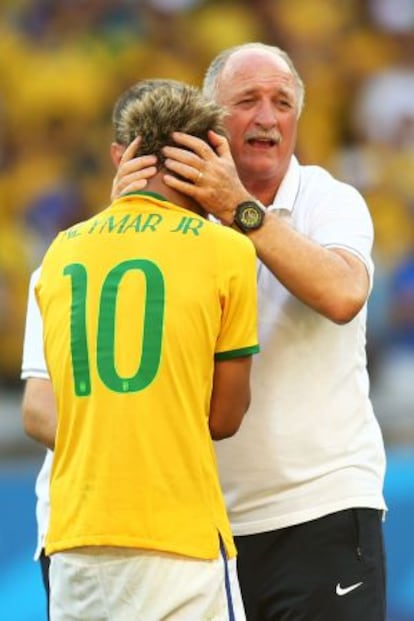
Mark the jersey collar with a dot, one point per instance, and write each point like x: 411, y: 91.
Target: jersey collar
x: 158, y: 197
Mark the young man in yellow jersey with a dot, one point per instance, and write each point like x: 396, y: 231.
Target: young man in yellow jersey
x: 149, y: 323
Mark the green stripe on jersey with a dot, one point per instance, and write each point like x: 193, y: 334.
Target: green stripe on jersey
x: 237, y: 353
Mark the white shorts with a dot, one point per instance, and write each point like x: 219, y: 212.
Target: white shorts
x: 122, y: 584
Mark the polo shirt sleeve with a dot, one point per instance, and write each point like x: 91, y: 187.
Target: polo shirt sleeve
x: 33, y: 364
x: 342, y: 220
x: 238, y: 296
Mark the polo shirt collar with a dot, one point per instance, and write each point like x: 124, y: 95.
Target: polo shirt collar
x: 288, y: 189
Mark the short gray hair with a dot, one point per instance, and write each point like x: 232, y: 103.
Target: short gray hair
x: 154, y: 109
x: 214, y: 71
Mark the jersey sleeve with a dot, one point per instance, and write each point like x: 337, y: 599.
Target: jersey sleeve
x: 238, y: 334
x: 343, y: 221
x: 33, y: 364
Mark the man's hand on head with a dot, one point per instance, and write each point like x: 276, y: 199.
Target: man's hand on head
x: 133, y: 171
x: 206, y: 173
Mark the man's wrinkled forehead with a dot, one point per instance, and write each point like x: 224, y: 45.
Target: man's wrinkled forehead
x: 247, y: 69
x: 255, y: 60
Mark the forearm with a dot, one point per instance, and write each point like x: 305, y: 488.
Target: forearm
x: 39, y: 411
x: 41, y: 431
x: 331, y: 281
x: 230, y: 396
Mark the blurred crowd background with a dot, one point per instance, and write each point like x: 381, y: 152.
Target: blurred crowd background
x: 63, y: 63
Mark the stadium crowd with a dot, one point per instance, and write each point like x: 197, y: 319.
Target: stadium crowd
x: 62, y: 62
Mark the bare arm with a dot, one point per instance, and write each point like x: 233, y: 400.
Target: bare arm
x: 39, y: 411
x: 230, y: 396
x: 332, y: 281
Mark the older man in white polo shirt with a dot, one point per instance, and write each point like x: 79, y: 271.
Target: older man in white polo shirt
x: 303, y: 477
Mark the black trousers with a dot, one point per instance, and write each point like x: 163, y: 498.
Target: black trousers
x: 329, y: 569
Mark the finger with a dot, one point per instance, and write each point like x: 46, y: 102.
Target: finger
x: 135, y: 165
x: 121, y: 181
x: 183, y: 156
x: 219, y: 142
x: 199, y: 146
x: 131, y: 150
x: 118, y: 188
x: 135, y: 186
x: 133, y: 182
x: 189, y: 189
x: 190, y: 173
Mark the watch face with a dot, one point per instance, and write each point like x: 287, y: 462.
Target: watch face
x: 249, y: 216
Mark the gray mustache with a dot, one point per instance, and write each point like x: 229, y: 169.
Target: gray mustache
x: 265, y: 136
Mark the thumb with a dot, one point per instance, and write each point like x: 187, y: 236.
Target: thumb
x: 219, y: 143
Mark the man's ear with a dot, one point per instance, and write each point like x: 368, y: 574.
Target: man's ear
x: 117, y: 151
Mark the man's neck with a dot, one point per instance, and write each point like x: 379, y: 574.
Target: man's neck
x: 264, y: 191
x: 157, y: 185
x: 264, y: 188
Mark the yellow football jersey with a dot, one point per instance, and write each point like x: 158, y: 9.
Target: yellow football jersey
x: 137, y: 303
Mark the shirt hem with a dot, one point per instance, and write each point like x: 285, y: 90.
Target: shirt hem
x: 210, y: 553
x: 33, y: 372
x: 300, y: 517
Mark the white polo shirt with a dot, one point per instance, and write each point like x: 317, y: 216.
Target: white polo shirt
x: 309, y: 444
x: 34, y: 365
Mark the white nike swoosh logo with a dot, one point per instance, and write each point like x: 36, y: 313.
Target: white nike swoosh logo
x: 343, y: 591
